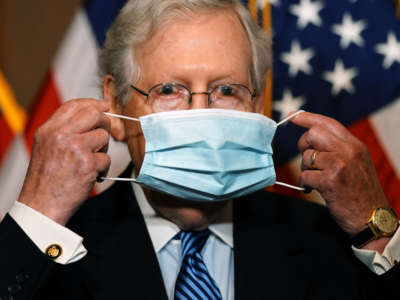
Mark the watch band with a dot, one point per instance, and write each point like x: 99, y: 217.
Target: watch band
x: 360, y: 239
x: 372, y: 231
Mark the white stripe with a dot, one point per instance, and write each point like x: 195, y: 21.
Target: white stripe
x: 12, y: 174
x: 386, y: 123
x: 75, y: 65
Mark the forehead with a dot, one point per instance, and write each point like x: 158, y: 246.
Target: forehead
x: 211, y: 41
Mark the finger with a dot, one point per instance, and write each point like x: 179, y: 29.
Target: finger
x: 104, y: 149
x: 70, y: 108
x: 319, y: 138
x: 87, y: 119
x: 309, y: 159
x: 95, y: 140
x: 309, y: 120
x: 103, y: 162
x: 317, y: 160
x: 311, y: 178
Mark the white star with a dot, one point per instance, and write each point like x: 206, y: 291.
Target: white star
x: 307, y: 12
x: 349, y: 31
x: 288, y: 103
x: 261, y: 3
x: 297, y: 59
x: 341, y: 78
x: 391, y: 50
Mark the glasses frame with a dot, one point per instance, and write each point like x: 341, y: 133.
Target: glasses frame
x: 252, y: 94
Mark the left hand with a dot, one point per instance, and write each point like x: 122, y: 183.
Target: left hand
x: 343, y: 171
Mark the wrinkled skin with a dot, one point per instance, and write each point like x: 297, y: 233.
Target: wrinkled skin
x: 343, y: 172
x: 69, y: 153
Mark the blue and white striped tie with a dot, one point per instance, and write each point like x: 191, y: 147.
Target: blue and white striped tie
x: 194, y: 282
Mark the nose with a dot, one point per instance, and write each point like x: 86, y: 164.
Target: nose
x: 199, y: 100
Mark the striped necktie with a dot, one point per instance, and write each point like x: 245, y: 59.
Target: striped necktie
x: 194, y: 282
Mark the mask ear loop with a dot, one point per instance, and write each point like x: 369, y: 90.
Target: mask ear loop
x: 126, y: 118
x: 121, y: 116
x: 287, y: 118
x: 298, y: 188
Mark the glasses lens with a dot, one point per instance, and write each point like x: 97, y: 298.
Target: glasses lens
x: 169, y: 96
x: 230, y: 96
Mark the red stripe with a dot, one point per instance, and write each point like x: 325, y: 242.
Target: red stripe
x: 6, y: 136
x: 44, y: 106
x: 388, y: 178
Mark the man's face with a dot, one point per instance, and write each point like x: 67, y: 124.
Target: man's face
x: 199, y: 52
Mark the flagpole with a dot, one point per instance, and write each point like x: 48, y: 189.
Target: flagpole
x: 13, y: 113
x: 253, y: 9
x: 267, y: 23
x: 266, y: 15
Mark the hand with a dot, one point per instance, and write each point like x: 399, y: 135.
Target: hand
x: 69, y: 153
x: 343, y: 171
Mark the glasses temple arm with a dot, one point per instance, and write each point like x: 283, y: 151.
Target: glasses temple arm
x: 139, y: 91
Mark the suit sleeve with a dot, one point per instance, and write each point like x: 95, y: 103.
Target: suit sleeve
x: 44, y: 232
x: 385, y: 286
x: 23, y: 267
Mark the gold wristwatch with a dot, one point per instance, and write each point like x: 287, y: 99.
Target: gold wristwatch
x: 383, y: 222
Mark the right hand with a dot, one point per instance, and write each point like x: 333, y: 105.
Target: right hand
x: 68, y: 155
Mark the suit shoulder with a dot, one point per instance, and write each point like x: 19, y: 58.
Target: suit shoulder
x: 269, y: 208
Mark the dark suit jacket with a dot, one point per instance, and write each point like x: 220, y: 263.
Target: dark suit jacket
x: 283, y: 248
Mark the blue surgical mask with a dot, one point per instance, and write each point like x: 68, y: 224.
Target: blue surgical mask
x: 206, y: 154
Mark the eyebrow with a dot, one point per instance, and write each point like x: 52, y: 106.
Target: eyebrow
x: 227, y: 80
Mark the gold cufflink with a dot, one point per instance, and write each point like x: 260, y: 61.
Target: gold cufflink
x: 54, y: 251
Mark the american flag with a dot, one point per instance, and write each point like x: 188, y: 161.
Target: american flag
x: 339, y: 58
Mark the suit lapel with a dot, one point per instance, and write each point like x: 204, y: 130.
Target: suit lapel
x: 132, y: 265
x: 269, y: 258
x: 121, y: 262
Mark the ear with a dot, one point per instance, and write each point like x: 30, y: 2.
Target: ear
x: 260, y: 102
x: 117, y: 126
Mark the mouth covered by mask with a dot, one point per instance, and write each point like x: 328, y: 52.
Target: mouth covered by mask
x: 207, y: 154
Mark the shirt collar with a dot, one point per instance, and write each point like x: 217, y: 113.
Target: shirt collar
x: 161, y: 230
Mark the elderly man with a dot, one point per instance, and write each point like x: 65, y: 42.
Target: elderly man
x: 183, y: 85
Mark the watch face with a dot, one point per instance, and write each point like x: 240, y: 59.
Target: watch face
x: 385, y: 221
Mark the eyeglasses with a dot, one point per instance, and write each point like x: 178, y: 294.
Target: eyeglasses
x: 175, y: 96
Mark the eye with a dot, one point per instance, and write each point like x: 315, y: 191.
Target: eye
x: 167, y: 89
x: 226, y: 90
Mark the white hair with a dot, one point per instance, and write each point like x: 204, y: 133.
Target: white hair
x: 139, y: 19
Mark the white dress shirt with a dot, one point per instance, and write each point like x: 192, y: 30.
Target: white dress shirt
x: 217, y: 252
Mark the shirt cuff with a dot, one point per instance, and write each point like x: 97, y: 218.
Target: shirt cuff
x: 45, y: 232
x: 377, y: 263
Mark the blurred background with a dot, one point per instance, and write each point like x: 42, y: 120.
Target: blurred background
x: 338, y: 58
x: 30, y: 33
